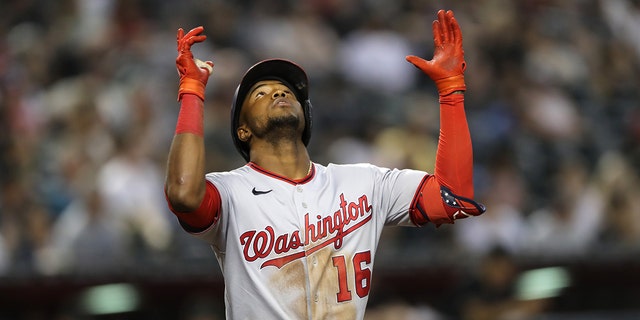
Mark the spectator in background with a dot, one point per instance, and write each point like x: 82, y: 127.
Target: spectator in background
x: 87, y: 239
x: 490, y: 293
x: 375, y: 44
x: 568, y: 226
x: 621, y: 232
x: 623, y: 17
x: 126, y: 183
x: 505, y: 222
x: 24, y: 225
x: 618, y: 183
x: 4, y: 256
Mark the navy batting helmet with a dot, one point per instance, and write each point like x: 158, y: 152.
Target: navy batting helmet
x: 291, y: 75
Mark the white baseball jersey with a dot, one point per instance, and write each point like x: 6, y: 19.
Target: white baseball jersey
x: 304, y: 249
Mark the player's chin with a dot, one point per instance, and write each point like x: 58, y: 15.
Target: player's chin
x: 285, y: 112
x: 285, y: 119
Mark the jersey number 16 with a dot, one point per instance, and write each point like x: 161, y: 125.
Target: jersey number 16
x: 361, y: 272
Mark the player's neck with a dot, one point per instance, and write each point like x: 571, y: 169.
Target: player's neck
x: 293, y: 165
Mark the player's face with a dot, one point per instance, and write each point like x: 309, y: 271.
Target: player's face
x: 269, y: 108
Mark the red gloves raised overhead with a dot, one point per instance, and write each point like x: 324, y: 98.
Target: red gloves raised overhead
x: 193, y: 72
x: 448, y: 65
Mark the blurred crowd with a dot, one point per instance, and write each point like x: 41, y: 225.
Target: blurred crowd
x: 88, y: 109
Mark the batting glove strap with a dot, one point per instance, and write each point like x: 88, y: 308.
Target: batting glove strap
x: 193, y: 86
x: 449, y: 85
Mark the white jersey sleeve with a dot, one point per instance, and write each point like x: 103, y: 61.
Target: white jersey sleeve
x: 304, y: 249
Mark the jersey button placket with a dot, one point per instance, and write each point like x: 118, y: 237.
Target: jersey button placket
x: 301, y: 208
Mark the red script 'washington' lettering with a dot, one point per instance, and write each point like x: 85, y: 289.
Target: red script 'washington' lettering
x: 330, y: 229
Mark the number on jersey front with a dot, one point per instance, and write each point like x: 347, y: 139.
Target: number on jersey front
x: 362, y: 275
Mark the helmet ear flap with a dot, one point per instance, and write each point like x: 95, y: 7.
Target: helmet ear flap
x: 307, y: 108
x: 241, y: 146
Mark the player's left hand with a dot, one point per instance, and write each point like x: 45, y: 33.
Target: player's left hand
x: 194, y: 73
x: 448, y: 65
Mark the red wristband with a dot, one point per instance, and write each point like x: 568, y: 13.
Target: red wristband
x: 448, y: 85
x: 193, y: 86
x: 191, y: 116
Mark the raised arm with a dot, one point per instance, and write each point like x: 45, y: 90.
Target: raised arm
x: 185, y: 177
x: 448, y: 193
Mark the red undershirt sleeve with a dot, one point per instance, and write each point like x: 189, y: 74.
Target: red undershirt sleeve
x: 454, y: 158
x: 447, y: 194
x: 206, y: 215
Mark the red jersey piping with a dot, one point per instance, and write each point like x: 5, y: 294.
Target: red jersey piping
x: 285, y: 179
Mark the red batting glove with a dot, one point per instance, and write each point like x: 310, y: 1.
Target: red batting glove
x: 193, y: 72
x: 448, y: 65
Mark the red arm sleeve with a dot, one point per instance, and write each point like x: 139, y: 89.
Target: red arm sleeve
x: 454, y: 157
x: 206, y: 215
x: 447, y: 194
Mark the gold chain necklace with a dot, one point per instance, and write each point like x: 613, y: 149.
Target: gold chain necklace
x: 310, y: 166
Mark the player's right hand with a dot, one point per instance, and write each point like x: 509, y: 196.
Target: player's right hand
x: 447, y: 67
x: 194, y: 73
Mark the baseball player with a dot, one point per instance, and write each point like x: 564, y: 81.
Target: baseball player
x: 296, y: 239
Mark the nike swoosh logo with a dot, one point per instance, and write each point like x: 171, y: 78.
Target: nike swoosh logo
x: 259, y: 192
